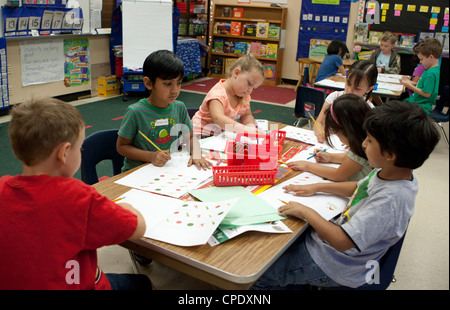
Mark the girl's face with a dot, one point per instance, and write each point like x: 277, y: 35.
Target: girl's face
x: 360, y: 90
x: 343, y: 138
x: 163, y: 92
x: 244, y: 83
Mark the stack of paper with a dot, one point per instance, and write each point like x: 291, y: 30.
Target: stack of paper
x: 183, y: 223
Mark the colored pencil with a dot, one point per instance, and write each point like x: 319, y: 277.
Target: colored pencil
x: 316, y: 123
x: 314, y: 155
x: 146, y: 138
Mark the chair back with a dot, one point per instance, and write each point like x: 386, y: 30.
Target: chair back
x: 98, y: 147
x: 310, y: 95
x: 304, y: 63
x: 192, y: 111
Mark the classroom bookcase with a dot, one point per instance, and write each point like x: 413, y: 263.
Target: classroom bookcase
x: 221, y: 58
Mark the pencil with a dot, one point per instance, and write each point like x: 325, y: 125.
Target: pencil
x: 117, y: 199
x: 282, y: 162
x: 146, y: 138
x: 316, y: 123
x: 286, y: 203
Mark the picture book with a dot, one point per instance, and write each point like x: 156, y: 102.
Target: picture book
x: 274, y: 32
x: 183, y: 223
x: 272, y: 50
x: 361, y: 32
x: 228, y: 63
x: 216, y: 65
x: 249, y: 29
x: 240, y: 48
x: 218, y: 45
x: 235, y: 28
x: 263, y: 52
x: 269, y: 71
x: 407, y: 40
x: 228, y: 47
x: 262, y: 30
x: 238, y: 12
x: 375, y: 37
x: 255, y: 49
x: 425, y: 35
x: 222, y: 28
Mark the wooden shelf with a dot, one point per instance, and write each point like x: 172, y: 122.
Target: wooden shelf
x: 251, y: 14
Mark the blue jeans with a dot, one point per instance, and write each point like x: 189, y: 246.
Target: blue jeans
x: 294, y: 269
x: 129, y: 281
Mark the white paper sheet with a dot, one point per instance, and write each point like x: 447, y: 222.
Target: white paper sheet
x: 183, y: 223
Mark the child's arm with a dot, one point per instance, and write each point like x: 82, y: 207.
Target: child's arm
x: 344, y: 189
x: 321, y: 121
x: 341, y: 70
x: 126, y: 149
x: 328, y: 231
x: 342, y: 173
x: 141, y: 226
x: 408, y: 83
x: 224, y: 122
x: 196, y: 153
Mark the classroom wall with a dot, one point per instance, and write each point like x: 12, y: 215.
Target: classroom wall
x: 290, y: 66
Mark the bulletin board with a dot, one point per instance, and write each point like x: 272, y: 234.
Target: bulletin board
x: 322, y: 19
x: 409, y: 16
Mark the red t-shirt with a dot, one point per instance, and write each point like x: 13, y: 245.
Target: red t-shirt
x: 50, y: 228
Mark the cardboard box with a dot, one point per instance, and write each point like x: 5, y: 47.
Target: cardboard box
x: 108, y: 93
x: 107, y: 83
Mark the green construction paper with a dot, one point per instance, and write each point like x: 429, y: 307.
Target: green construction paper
x: 250, y: 209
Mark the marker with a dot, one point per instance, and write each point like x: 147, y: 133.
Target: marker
x: 146, y: 138
x: 314, y: 155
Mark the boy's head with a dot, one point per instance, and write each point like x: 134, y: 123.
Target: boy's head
x: 38, y: 126
x: 428, y: 51
x: 387, y: 42
x: 337, y: 47
x: 163, y: 64
x: 404, y: 130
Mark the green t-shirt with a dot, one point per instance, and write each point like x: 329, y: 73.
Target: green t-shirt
x: 429, y: 83
x: 157, y: 124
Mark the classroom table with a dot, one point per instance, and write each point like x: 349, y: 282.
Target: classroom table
x: 319, y: 59
x: 341, y: 79
x: 234, y: 264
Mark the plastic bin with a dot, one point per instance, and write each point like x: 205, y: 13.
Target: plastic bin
x: 242, y: 175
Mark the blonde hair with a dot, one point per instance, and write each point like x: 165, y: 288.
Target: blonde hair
x: 38, y: 126
x: 246, y: 63
x: 389, y: 37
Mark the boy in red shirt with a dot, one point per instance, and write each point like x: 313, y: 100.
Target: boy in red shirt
x: 50, y: 223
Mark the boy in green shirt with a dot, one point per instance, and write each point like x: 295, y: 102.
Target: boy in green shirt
x: 426, y: 90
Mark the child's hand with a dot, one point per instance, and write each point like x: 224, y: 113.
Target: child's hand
x: 322, y: 157
x: 293, y: 209
x: 405, y: 81
x: 159, y: 159
x: 200, y: 163
x: 301, y: 165
x: 319, y: 135
x: 300, y: 190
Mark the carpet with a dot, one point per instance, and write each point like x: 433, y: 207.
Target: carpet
x: 108, y: 114
x: 264, y: 93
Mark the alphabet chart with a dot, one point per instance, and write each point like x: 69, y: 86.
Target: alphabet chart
x: 183, y: 223
x: 174, y: 179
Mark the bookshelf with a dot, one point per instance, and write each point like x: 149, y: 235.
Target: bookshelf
x: 241, y: 29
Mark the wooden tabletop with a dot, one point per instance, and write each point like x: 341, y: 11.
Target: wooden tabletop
x: 319, y: 59
x: 234, y: 264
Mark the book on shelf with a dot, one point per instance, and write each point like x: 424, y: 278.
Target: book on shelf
x: 269, y: 71
x: 235, y: 29
x: 425, y: 35
x: 226, y: 11
x: 216, y: 65
x: 375, y: 37
x: 262, y: 29
x: 238, y: 12
x: 222, y: 28
x: 361, y: 32
x: 228, y: 47
x: 443, y: 38
x: 272, y: 50
x: 249, y: 29
x: 218, y: 45
x: 407, y: 40
x: 273, y: 32
x: 228, y: 63
x: 240, y: 48
x: 255, y: 49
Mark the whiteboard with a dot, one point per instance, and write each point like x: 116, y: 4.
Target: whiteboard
x: 146, y: 27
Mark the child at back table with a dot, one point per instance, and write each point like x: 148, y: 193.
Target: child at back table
x: 386, y: 59
x: 51, y: 223
x: 425, y: 93
x: 227, y: 104
x: 361, y: 79
x: 332, y: 62
x: 160, y: 117
x: 400, y: 137
x: 345, y: 118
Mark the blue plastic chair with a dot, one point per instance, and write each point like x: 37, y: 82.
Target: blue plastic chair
x: 310, y: 95
x: 98, y: 147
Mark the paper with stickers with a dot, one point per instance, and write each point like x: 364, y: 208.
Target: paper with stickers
x: 328, y: 206
x: 183, y: 223
x: 174, y: 179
